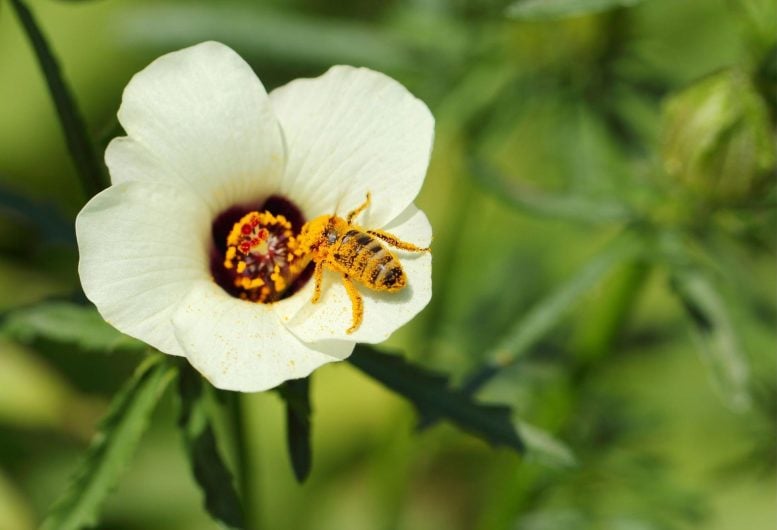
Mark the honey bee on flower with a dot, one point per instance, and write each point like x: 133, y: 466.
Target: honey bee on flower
x: 358, y: 254
x: 197, y: 247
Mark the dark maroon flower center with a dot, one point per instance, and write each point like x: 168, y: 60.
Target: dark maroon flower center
x: 253, y: 250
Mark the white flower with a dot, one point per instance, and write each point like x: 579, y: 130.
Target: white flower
x: 204, y: 138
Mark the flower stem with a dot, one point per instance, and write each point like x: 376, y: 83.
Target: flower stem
x: 244, y: 463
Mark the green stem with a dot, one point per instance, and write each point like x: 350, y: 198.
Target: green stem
x: 88, y: 166
x: 244, y: 464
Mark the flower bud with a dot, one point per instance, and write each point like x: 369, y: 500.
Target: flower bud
x: 717, y: 138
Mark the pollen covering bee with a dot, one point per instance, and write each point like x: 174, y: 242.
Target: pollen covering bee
x: 357, y: 254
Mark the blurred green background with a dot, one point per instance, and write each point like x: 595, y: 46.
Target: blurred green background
x: 554, y: 135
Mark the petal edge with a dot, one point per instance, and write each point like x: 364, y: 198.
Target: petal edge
x: 141, y: 248
x: 349, y: 132
x: 242, y: 346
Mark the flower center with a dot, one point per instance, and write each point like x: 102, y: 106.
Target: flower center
x: 258, y: 259
x: 260, y: 249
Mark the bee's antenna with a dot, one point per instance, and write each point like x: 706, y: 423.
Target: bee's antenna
x: 337, y: 205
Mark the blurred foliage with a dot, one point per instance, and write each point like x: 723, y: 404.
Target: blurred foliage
x: 553, y: 9
x: 718, y: 139
x: 66, y: 323
x: 602, y: 192
x: 112, y: 448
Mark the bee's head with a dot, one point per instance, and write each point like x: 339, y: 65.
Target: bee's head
x: 321, y: 231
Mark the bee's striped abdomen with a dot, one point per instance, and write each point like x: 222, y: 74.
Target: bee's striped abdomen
x: 364, y: 258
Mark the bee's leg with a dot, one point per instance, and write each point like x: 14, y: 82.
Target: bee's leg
x: 359, y: 210
x: 357, y: 304
x: 394, y: 241
x: 318, y: 277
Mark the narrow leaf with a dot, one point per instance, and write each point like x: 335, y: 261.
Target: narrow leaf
x: 546, y: 314
x: 716, y: 337
x: 296, y: 394
x: 67, y: 323
x: 544, y: 447
x: 575, y: 208
x: 556, y: 9
x: 88, y: 165
x: 432, y: 396
x: 112, y: 447
x: 211, y: 473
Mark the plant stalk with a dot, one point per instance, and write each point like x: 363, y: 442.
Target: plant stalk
x: 244, y: 462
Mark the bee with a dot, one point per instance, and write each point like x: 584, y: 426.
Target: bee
x: 358, y: 254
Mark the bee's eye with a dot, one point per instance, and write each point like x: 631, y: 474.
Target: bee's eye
x: 331, y: 236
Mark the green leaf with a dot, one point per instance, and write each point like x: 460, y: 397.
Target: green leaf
x: 112, y: 447
x: 433, y: 397
x: 211, y: 473
x: 68, y: 323
x: 87, y: 163
x: 569, y: 207
x: 50, y: 225
x: 296, y: 394
x: 715, y: 334
x: 556, y: 9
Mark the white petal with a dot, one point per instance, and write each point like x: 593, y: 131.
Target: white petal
x: 142, y: 246
x: 242, y: 346
x: 199, y: 118
x: 383, y: 312
x: 348, y: 132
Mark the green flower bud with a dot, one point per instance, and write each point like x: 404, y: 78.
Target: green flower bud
x: 718, y: 140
